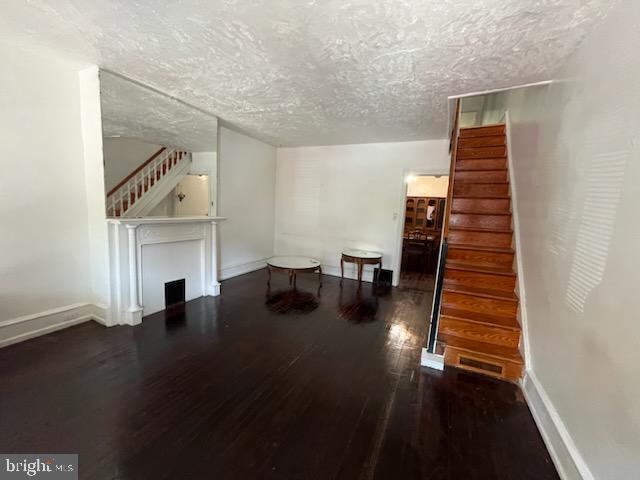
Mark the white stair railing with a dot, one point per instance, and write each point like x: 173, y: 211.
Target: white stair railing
x: 142, y: 180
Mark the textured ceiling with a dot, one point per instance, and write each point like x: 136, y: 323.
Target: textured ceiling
x: 129, y: 110
x: 311, y: 72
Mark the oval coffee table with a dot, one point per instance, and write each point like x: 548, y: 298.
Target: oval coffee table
x: 294, y: 265
x: 360, y: 258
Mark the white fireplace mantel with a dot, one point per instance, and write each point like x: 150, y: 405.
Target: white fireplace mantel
x: 127, y: 238
x: 165, y: 220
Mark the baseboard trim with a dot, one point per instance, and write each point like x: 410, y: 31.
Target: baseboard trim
x: 30, y: 326
x: 100, y: 314
x: 242, y: 268
x: 564, y: 453
x: 431, y: 360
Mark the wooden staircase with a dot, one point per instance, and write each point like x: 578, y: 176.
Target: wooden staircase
x: 478, y: 328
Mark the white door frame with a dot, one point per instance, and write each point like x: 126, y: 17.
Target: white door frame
x: 418, y: 172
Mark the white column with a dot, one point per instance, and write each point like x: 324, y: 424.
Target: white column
x: 135, y: 310
x: 214, y: 287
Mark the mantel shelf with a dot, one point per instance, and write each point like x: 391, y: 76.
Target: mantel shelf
x: 164, y: 220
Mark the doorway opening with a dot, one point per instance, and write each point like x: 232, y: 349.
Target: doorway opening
x: 424, y: 212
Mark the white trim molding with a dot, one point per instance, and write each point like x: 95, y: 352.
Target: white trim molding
x: 400, y: 212
x: 125, y: 252
x: 242, y: 268
x: 522, y: 311
x: 564, y: 453
x: 213, y: 286
x: 497, y: 90
x: 30, y: 326
x: 431, y: 360
x: 134, y: 311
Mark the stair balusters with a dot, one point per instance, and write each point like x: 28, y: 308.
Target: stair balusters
x: 142, y: 180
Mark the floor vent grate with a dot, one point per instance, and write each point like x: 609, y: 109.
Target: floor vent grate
x: 479, y: 365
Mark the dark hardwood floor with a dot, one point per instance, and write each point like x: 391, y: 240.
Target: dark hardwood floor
x: 418, y: 281
x: 266, y: 385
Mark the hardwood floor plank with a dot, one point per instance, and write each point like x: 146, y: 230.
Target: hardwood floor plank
x: 230, y: 388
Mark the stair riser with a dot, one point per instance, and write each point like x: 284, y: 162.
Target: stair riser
x: 489, y: 190
x: 474, y: 362
x: 490, y: 176
x: 481, y: 164
x: 480, y: 221
x: 487, y: 206
x: 473, y: 303
x: 482, y: 131
x: 504, y: 283
x: 493, y: 141
x: 486, y: 239
x: 480, y: 259
x: 479, y: 332
x: 482, y: 152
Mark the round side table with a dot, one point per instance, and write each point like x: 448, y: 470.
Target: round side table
x: 360, y: 258
x: 293, y: 266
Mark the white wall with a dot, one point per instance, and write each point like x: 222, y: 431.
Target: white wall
x: 428, y: 186
x: 165, y: 207
x: 43, y: 201
x: 195, y: 189
x: 348, y: 196
x: 206, y: 163
x: 94, y: 186
x: 122, y: 156
x: 246, y: 195
x: 575, y: 152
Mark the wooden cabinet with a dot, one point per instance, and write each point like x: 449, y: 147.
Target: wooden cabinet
x: 424, y: 213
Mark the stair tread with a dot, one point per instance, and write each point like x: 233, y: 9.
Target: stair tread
x: 462, y: 181
x: 479, y: 292
x: 488, y: 170
x: 468, y: 212
x: 479, y: 170
x: 486, y: 318
x: 480, y: 229
x: 483, y: 131
x: 479, y: 205
x: 511, y: 327
x: 485, y: 141
x: 506, y: 271
x: 485, y: 164
x: 480, y: 159
x: 464, y: 246
x: 488, y: 184
x: 480, y: 127
x: 511, y: 354
x: 484, y: 197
